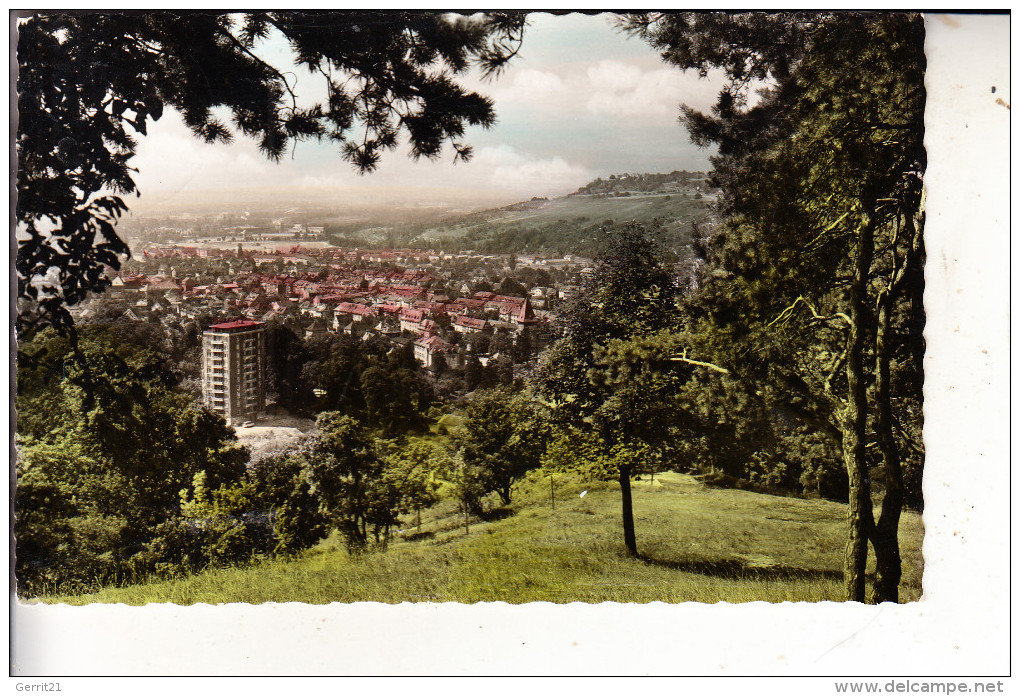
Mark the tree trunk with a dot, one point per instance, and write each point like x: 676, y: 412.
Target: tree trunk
x: 884, y: 536
x: 885, y: 539
x: 855, y: 422
x: 628, y: 512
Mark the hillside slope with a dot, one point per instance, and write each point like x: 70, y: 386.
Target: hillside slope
x: 571, y: 224
x: 568, y: 225
x: 698, y: 544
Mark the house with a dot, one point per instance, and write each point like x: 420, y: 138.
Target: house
x: 410, y: 319
x: 353, y: 311
x: 472, y: 305
x: 428, y: 348
x: 317, y: 329
x: 468, y: 325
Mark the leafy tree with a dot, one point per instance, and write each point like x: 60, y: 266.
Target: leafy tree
x: 503, y: 439
x: 581, y: 451
x: 473, y: 372
x: 397, y: 395
x: 501, y: 342
x: 512, y: 287
x: 407, y: 483
x: 630, y: 294
x: 439, y: 366
x: 480, y: 343
x: 335, y: 367
x: 105, y: 444
x: 89, y: 83
x: 343, y: 467
x: 651, y: 409
x: 287, y: 357
x: 521, y: 349
x: 281, y: 489
x: 819, y: 271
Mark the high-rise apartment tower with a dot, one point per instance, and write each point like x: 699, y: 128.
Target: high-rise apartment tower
x: 234, y: 369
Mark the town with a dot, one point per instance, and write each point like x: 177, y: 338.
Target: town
x: 449, y: 309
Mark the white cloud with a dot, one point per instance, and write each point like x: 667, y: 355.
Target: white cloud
x: 170, y: 158
x: 172, y: 161
x: 506, y: 168
x: 540, y: 90
x: 628, y: 91
x: 561, y: 123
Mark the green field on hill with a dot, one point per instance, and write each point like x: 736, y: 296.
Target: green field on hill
x: 635, y: 207
x: 697, y: 544
x: 565, y: 225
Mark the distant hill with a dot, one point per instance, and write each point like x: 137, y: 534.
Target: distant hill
x: 624, y: 184
x: 572, y: 224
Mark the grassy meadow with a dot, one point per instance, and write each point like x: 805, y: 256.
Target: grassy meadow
x: 678, y: 209
x: 698, y: 544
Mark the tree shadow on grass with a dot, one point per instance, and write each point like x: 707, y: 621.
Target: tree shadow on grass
x: 738, y: 569
x: 419, y: 536
x: 496, y: 514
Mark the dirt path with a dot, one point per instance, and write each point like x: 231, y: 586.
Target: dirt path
x: 274, y: 433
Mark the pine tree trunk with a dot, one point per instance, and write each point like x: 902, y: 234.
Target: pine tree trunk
x: 855, y: 422
x: 628, y: 512
x: 888, y: 566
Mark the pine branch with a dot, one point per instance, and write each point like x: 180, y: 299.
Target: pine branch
x: 711, y: 366
x: 787, y: 313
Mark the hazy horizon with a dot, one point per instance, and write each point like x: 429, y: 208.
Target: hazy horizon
x: 580, y: 101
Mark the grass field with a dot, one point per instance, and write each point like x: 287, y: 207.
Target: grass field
x: 697, y: 544
x: 681, y: 208
x: 635, y: 207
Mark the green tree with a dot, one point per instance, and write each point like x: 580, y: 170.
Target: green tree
x: 287, y: 358
x: 335, y: 367
x: 473, y: 372
x: 408, y: 482
x: 281, y: 489
x: 819, y: 270
x: 630, y: 294
x: 503, y: 439
x: 88, y: 85
x: 397, y: 396
x: 343, y: 468
x: 105, y: 445
x: 521, y: 349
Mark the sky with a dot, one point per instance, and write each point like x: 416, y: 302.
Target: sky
x: 580, y: 101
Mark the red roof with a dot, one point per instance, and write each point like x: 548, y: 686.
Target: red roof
x: 526, y: 315
x: 433, y: 343
x: 469, y: 322
x: 238, y: 324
